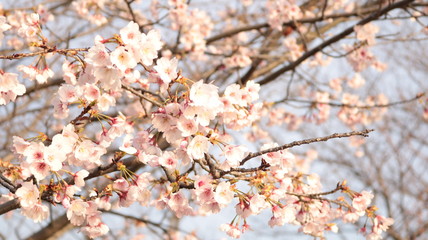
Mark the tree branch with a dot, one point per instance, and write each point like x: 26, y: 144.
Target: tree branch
x: 335, y: 104
x: 42, y: 52
x: 363, y: 133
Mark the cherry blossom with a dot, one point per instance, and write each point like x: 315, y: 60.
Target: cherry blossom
x: 10, y: 88
x: 131, y: 33
x: 167, y: 69
x: 204, y: 95
x: 3, y: 26
x: 223, y: 193
x: 198, y: 146
x: 28, y: 195
x: 38, y: 212
x: 77, y: 212
x: 366, y: 33
x: 123, y: 58
x: 150, y: 45
x: 361, y: 202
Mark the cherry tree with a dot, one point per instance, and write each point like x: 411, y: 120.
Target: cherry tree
x: 183, y: 109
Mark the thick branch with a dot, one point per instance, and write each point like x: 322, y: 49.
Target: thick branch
x: 9, y: 206
x: 60, y: 223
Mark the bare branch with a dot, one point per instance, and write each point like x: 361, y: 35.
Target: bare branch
x: 363, y: 133
x: 335, y: 104
x: 48, y: 50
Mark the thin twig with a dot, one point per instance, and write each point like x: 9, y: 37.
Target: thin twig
x: 132, y: 90
x: 334, y: 104
x: 48, y: 50
x: 363, y: 133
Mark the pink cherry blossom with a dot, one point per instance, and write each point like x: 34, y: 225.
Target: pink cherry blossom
x: 40, y: 169
x: 179, y: 147
x: 179, y: 204
x: 69, y: 93
x: 150, y: 45
x: 77, y: 212
x: 91, y: 92
x: 231, y: 230
x: 381, y: 224
x: 79, y: 178
x: 35, y: 152
x: 28, y: 195
x: 96, y: 231
x: 357, y: 81
x: 187, y: 126
x: 204, y: 95
x: 38, y: 212
x: 234, y: 154
x: 223, y: 193
x: 366, y: 33
x: 123, y: 58
x: 362, y: 201
x: 98, y: 56
x: 166, y: 69
x: 10, y: 88
x: 131, y: 33
x: 3, y: 27
x: 198, y: 146
x: 168, y: 160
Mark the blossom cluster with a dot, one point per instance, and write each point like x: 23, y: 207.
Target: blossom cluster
x: 192, y: 165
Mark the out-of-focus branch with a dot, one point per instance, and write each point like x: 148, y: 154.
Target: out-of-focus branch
x: 157, y: 225
x: 335, y: 104
x: 58, y: 225
x: 336, y: 38
x: 9, y: 206
x: 38, y: 87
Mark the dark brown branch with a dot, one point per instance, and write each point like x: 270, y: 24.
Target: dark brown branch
x: 7, y: 183
x: 9, y: 206
x: 85, y: 111
x: 363, y: 133
x: 50, y: 230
